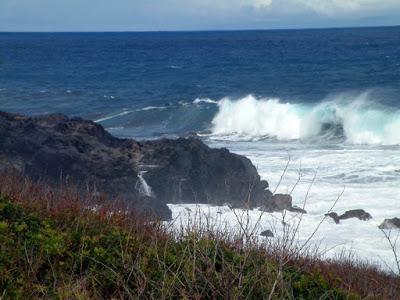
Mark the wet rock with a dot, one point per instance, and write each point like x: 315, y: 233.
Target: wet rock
x: 279, y: 202
x: 267, y: 233
x: 393, y: 223
x: 297, y: 209
x: 334, y: 216
x: 354, y: 213
x: 282, y: 201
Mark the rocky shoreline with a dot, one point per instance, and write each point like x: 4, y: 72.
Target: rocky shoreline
x: 147, y: 174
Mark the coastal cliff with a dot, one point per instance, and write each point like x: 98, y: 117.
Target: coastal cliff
x: 147, y: 174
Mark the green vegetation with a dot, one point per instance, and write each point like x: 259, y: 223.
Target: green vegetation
x: 52, y: 246
x: 66, y: 257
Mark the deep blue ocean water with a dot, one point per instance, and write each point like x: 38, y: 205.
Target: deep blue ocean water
x: 97, y: 75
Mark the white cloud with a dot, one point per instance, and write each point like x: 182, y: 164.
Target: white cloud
x: 335, y: 7
x: 193, y: 14
x: 257, y: 3
x: 332, y: 8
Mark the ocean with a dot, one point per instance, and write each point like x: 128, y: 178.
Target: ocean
x: 324, y: 100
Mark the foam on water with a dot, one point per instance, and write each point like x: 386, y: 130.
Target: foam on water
x: 361, y: 238
x: 126, y: 112
x: 112, y: 116
x: 204, y: 100
x: 151, y: 108
x: 368, y: 174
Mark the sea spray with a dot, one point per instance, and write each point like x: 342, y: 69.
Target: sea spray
x: 143, y: 187
x: 257, y: 118
x: 359, y: 121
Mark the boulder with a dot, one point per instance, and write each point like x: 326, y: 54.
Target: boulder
x: 354, y: 213
x: 393, y: 223
x: 267, y: 233
x: 334, y: 216
x: 279, y: 202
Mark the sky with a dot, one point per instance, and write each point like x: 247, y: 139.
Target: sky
x: 170, y: 15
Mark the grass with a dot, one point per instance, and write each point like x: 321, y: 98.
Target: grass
x: 55, y: 245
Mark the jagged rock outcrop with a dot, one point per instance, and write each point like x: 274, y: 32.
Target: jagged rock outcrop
x: 354, y: 213
x: 334, y: 216
x: 147, y: 174
x: 279, y: 202
x: 189, y: 171
x: 267, y: 233
x: 393, y: 223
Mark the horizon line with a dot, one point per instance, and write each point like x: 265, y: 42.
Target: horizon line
x: 207, y: 30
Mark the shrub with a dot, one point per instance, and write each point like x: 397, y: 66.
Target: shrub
x: 55, y: 245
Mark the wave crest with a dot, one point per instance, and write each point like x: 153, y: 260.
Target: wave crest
x: 359, y: 121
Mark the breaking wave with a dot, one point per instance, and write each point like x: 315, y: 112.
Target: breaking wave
x: 359, y: 121
x: 341, y: 119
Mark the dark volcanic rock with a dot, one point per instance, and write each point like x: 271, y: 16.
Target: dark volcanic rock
x: 267, y: 233
x: 189, y: 171
x: 334, y: 216
x: 390, y: 224
x: 279, y: 202
x: 148, y: 174
x: 297, y: 209
x: 54, y: 149
x: 354, y: 213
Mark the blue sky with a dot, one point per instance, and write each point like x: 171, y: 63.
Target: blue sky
x: 144, y: 15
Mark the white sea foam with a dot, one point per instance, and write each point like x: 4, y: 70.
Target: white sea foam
x: 143, y: 187
x: 369, y: 175
x: 255, y: 118
x: 175, y: 67
x: 112, y: 116
x: 362, y: 238
x: 151, y: 108
x: 204, y: 100
x: 360, y: 120
x: 126, y: 112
